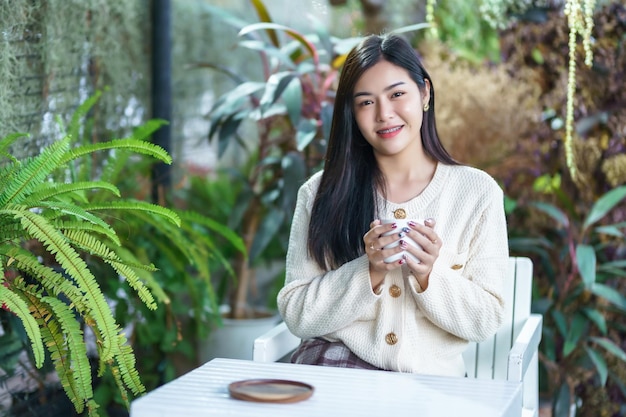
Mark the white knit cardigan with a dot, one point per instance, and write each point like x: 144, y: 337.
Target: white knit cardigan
x: 402, y: 329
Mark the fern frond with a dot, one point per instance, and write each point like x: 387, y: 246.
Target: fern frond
x: 230, y: 235
x: 144, y: 131
x: 20, y: 308
x: 81, y: 111
x: 126, y: 361
x: 47, y: 190
x: 55, y: 342
x: 135, y: 283
x: 115, y: 371
x: 134, y: 145
x: 135, y: 205
x: 76, y: 346
x: 33, y: 172
x: 146, y: 276
x: 8, y: 140
x: 52, y: 281
x: 76, y: 267
x: 11, y: 231
x: 97, y: 248
x: 72, y: 210
x: 90, y: 228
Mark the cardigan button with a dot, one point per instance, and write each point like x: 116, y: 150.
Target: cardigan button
x: 391, y: 338
x: 395, y: 291
x: 399, y: 214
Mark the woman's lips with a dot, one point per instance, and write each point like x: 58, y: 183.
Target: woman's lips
x: 389, y: 132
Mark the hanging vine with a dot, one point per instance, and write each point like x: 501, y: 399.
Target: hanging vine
x: 580, y: 21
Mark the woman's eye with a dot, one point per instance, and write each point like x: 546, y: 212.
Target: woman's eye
x: 365, y: 103
x: 397, y: 94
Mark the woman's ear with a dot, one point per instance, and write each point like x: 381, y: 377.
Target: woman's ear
x: 426, y: 92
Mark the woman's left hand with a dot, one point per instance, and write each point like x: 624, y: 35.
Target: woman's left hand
x: 430, y: 243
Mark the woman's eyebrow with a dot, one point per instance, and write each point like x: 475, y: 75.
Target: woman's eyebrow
x: 365, y: 93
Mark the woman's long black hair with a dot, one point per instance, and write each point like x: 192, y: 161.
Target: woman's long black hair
x: 345, y: 203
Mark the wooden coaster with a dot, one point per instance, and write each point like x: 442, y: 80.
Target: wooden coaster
x: 270, y: 390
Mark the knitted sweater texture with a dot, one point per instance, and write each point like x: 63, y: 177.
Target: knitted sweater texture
x: 403, y: 329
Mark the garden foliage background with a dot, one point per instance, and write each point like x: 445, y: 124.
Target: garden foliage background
x: 501, y: 72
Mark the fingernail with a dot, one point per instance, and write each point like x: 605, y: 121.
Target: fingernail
x: 401, y: 261
x: 401, y: 234
x: 412, y: 223
x: 394, y: 225
x: 403, y: 244
x: 406, y: 229
x: 429, y: 220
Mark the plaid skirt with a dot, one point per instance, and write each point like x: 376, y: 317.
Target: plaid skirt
x: 322, y: 352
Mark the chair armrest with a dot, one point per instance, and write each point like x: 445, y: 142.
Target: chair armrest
x: 524, y: 348
x: 274, y: 344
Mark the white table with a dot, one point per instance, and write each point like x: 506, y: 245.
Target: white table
x: 338, y: 392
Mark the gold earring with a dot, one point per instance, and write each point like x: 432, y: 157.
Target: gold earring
x: 426, y: 107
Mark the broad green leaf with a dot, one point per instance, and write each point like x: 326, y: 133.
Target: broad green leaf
x: 274, y: 88
x: 264, y: 16
x: 267, y: 230
x: 609, y: 294
x: 610, y: 230
x: 411, y: 28
x: 599, y: 363
x: 561, y: 323
x: 597, y: 318
x: 577, y: 329
x: 586, y: 260
x: 553, y: 212
x: 290, y: 31
x: 292, y: 96
x: 610, y: 346
x: 562, y: 401
x: 604, y: 205
x: 307, y: 129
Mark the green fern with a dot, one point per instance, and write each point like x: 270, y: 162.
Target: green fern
x: 20, y: 308
x: 33, y: 172
x: 134, y: 145
x: 129, y: 206
x: 47, y: 191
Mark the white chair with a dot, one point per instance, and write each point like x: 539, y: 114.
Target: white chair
x: 511, y: 354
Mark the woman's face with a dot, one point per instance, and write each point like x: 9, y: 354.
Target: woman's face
x: 389, y: 108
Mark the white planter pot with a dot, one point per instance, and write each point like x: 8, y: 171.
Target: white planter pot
x: 235, y: 338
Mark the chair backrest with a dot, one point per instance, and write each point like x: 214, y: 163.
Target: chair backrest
x: 488, y: 359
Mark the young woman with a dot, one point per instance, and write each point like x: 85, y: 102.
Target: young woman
x: 385, y: 160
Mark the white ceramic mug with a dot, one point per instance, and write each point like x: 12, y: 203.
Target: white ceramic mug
x: 401, y: 224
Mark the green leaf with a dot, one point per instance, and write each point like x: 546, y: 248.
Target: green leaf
x: 411, y: 28
x: 599, y: 363
x: 610, y: 346
x: 604, y: 205
x: 307, y: 129
x: 586, y: 261
x: 290, y: 31
x: 597, y: 318
x: 576, y: 330
x: 293, y: 100
x: 561, y: 323
x: 275, y: 87
x: 267, y: 230
x: 16, y: 305
x: 562, y: 401
x: 609, y: 294
x: 552, y: 211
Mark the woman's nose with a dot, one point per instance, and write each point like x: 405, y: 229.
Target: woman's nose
x: 383, y: 111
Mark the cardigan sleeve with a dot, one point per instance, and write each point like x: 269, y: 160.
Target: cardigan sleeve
x: 314, y: 302
x: 464, y: 291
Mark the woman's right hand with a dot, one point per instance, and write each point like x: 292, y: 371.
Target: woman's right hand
x: 374, y: 248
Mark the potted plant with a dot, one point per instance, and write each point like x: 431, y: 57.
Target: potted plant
x: 71, y: 261
x: 289, y: 106
x: 48, y: 224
